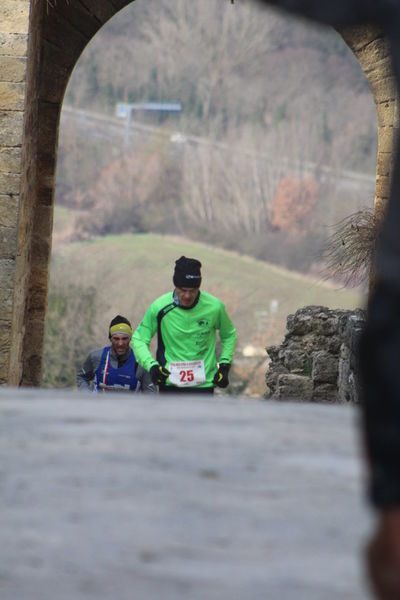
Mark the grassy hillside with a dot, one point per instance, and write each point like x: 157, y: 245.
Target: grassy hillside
x: 93, y: 281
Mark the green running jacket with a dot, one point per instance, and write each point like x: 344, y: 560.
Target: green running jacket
x: 185, y: 334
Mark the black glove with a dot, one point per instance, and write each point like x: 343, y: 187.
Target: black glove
x: 221, y: 376
x: 158, y: 374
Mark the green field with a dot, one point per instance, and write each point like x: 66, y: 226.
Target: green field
x: 128, y: 271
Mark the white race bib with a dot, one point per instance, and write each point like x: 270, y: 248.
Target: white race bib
x: 114, y: 388
x: 187, y: 374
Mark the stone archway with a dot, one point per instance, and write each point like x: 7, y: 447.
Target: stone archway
x: 40, y: 43
x: 373, y: 54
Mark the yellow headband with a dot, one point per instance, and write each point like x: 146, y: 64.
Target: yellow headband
x: 121, y: 328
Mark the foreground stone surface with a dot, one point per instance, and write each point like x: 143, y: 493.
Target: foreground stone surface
x: 199, y: 499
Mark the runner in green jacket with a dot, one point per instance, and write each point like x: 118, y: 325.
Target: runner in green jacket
x: 186, y: 321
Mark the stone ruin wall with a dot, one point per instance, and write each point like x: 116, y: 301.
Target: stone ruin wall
x: 317, y: 360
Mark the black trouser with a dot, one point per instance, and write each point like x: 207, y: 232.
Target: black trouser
x: 173, y: 389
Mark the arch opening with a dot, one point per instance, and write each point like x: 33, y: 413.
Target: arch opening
x: 36, y: 220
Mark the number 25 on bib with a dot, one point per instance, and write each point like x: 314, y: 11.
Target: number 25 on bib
x: 187, y: 374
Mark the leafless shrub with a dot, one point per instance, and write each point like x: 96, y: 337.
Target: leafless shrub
x: 350, y: 250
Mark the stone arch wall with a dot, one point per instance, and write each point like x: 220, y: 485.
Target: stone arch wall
x: 47, y: 38
x: 372, y: 52
x: 40, y: 44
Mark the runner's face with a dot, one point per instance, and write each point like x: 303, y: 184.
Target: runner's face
x: 120, y: 343
x: 187, y: 296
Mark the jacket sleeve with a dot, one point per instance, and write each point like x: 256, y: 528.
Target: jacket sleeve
x: 87, y: 372
x: 227, y: 334
x: 142, y: 337
x: 146, y: 385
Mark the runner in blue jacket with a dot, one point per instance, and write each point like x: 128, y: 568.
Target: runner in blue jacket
x: 114, y: 368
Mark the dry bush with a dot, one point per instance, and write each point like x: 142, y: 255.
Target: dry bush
x: 136, y: 192
x: 349, y: 252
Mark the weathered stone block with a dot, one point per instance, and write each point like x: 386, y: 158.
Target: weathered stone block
x: 4, y: 372
x: 318, y: 320
x: 61, y: 27
x: 7, y: 270
x: 12, y: 96
x: 13, y: 44
x: 386, y: 139
x: 6, y: 298
x: 9, y: 183
x: 293, y: 387
x: 8, y: 211
x: 299, y: 324
x: 379, y: 70
x: 78, y: 18
x: 5, y: 331
x: 324, y: 368
x: 383, y: 166
x: 383, y: 89
x: 376, y: 52
x: 332, y: 344
x: 382, y: 186
x: 349, y: 385
x: 38, y: 295
x: 32, y: 369
x: 44, y: 221
x: 55, y: 72
x: 10, y: 160
x: 271, y: 377
x: 295, y: 359
x: 41, y: 249
x: 101, y: 10
x: 344, y: 375
x: 273, y: 352
x: 46, y: 196
x: 12, y: 69
x: 4, y: 358
x: 46, y: 167
x: 325, y: 392
x: 33, y: 352
x: 359, y: 37
x: 8, y: 242
x: 326, y: 324
x: 14, y: 16
x: 11, y: 128
x: 387, y: 114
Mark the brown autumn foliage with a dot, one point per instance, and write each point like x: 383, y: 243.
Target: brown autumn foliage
x: 293, y: 202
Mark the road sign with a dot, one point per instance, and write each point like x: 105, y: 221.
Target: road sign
x: 124, y: 110
x: 121, y: 110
